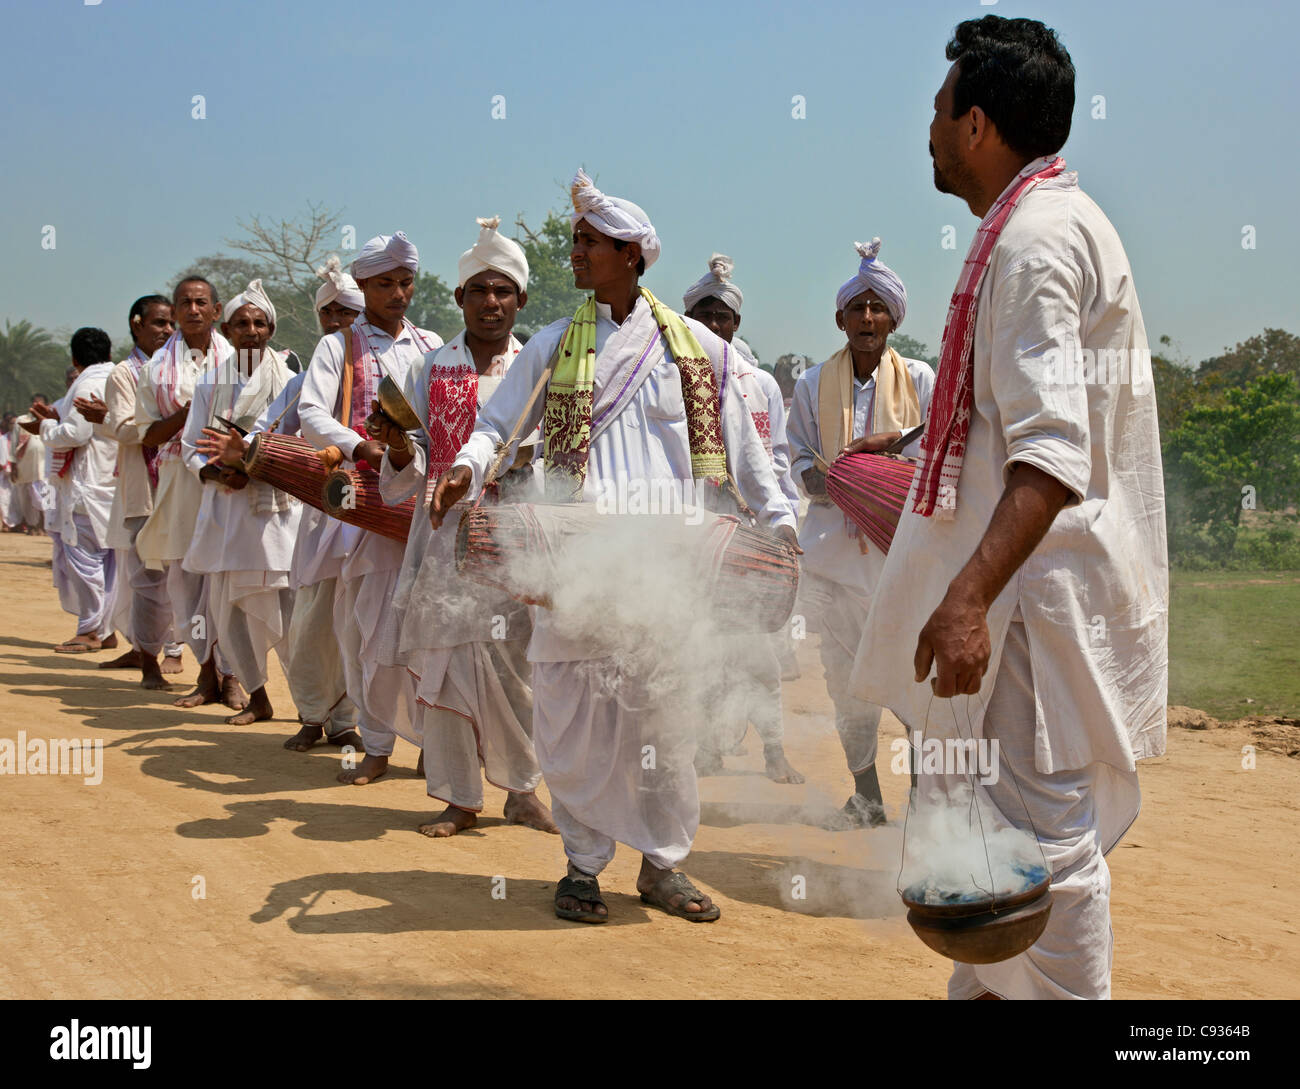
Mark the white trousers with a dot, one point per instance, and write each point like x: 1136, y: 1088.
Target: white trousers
x: 1079, y: 816
x: 616, y: 749
x: 839, y: 614
x: 191, y: 614
x: 151, y: 611
x: 317, y: 681
x: 86, y: 576
x: 384, y: 694
x: 252, y: 610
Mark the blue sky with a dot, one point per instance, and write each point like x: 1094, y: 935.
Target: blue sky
x: 383, y: 110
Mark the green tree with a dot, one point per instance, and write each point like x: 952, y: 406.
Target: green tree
x: 551, y: 294
x: 912, y: 348
x: 1175, y: 384
x: 294, y: 329
x: 31, y: 361
x: 1275, y: 351
x: 433, y: 306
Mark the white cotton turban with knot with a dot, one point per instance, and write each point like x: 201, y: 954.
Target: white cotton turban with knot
x: 494, y: 251
x: 877, y: 277
x: 613, y: 217
x: 384, y: 253
x: 254, y: 294
x: 338, y: 287
x: 716, y: 283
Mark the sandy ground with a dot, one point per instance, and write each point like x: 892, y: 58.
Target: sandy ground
x: 316, y: 890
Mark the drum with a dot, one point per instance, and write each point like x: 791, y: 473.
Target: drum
x: 872, y: 490
x: 289, y: 463
x: 749, y: 578
x: 352, y: 496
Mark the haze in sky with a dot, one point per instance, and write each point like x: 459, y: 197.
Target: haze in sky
x: 778, y: 133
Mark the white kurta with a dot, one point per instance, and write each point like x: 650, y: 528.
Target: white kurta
x: 368, y: 564
x: 1093, y: 596
x: 593, y: 713
x: 87, y: 486
x: 463, y: 643
x: 245, y: 553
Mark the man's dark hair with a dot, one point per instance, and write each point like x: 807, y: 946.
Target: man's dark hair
x: 619, y: 243
x: 1017, y: 72
x: 141, y: 306
x: 91, y: 346
x: 195, y: 280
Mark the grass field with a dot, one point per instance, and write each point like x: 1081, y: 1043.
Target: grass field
x: 1234, y: 636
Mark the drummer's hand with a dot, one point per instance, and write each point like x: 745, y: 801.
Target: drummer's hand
x: 228, y: 449
x: 451, y: 488
x: 233, y: 479
x: 814, y: 482
x: 872, y: 444
x: 44, y: 412
x: 369, y: 451
x: 956, y: 640
x: 92, y: 408
x: 211, y: 473
x: 790, y: 537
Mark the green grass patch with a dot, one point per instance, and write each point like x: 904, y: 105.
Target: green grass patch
x: 1233, y: 636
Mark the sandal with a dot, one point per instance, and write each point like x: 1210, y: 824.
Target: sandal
x: 661, y: 894
x: 71, y: 647
x: 584, y: 889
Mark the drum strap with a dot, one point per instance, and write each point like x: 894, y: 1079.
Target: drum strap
x: 345, y: 415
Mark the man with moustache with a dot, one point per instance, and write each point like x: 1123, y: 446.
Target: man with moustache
x: 1038, y: 509
x: 162, y: 407
x: 463, y: 643
x: 341, y: 383
x: 862, y: 398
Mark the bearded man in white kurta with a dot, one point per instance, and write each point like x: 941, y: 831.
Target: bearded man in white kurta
x: 162, y: 405
x: 863, y: 398
x: 342, y: 382
x: 715, y: 300
x: 619, y: 411
x: 463, y: 643
x: 1031, y: 559
x: 89, y: 565
x: 245, y: 531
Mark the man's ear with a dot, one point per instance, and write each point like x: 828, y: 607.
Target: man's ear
x: 737, y: 319
x: 839, y: 319
x: 225, y: 329
x: 634, y: 250
x: 979, y: 127
x: 523, y: 300
x: 459, y: 295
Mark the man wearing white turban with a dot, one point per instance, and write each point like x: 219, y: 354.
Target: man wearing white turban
x: 862, y: 398
x: 633, y: 398
x: 463, y: 643
x: 715, y: 300
x: 338, y: 299
x: 340, y: 386
x: 245, y: 531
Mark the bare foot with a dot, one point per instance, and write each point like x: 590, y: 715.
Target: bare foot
x: 370, y: 769
x: 527, y: 809
x: 110, y: 643
x: 347, y: 737
x: 257, y: 709
x: 305, y: 738
x: 451, y: 820
x: 208, y: 690
x: 778, y: 768
x: 130, y: 660
x: 232, y: 693
x: 172, y: 664
x: 151, y: 676
x: 419, y: 765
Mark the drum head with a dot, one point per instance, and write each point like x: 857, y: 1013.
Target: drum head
x: 335, y: 491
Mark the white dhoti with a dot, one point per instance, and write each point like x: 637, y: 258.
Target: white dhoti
x: 151, y: 611
x: 123, y: 596
x: 87, y: 580
x: 317, y: 681
x: 386, y: 707
x: 1079, y: 816
x: 617, y: 755
x: 192, y: 615
x: 748, y: 690
x: 475, y: 710
x: 839, y: 614
x: 31, y: 502
x: 10, y: 513
x: 252, y: 611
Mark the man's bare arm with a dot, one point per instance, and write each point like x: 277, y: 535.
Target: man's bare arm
x: 956, y: 637
x: 162, y: 431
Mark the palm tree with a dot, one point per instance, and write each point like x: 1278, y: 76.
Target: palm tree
x: 29, y: 360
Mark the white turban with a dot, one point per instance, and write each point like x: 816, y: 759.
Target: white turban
x: 493, y: 251
x: 877, y: 277
x: 716, y: 283
x: 252, y: 294
x: 338, y: 287
x: 384, y: 253
x: 613, y: 217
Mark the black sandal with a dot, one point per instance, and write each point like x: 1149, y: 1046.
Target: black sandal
x: 661, y: 896
x: 584, y: 889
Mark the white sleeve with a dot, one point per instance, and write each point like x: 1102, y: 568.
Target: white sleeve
x: 320, y: 393
x: 801, y: 428
x: 780, y: 443
x: 147, y: 412
x: 750, y: 465
x: 72, y: 429
x: 194, y: 424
